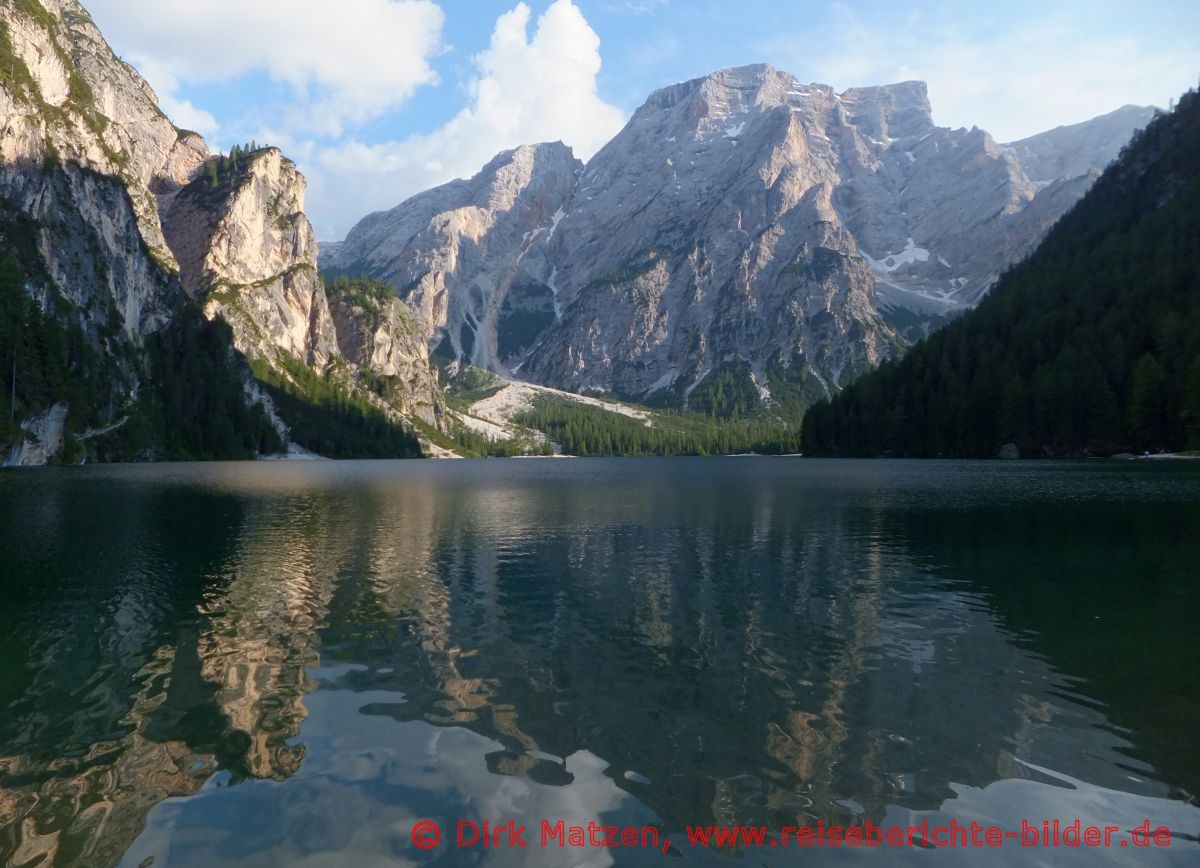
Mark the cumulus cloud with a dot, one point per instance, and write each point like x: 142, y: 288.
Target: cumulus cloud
x: 346, y: 62
x: 524, y: 89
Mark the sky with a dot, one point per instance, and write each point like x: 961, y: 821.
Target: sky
x: 377, y: 100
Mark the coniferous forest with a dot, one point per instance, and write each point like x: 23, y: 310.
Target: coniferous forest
x: 1089, y: 347
x: 191, y: 404
x: 590, y: 432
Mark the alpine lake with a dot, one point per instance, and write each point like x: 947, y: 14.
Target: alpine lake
x: 310, y: 663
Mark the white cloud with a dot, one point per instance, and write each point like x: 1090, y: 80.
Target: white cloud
x: 524, y: 90
x: 637, y: 7
x: 181, y: 111
x: 1013, y: 79
x: 347, y: 62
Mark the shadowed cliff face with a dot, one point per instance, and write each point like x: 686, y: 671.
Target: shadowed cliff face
x: 75, y: 111
x: 742, y: 218
x: 766, y: 642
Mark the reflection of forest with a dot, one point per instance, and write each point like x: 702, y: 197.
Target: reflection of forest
x: 759, y: 657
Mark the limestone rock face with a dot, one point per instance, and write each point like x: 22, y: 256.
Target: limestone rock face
x: 719, y: 242
x: 263, y: 230
x: 76, y: 100
x: 1079, y: 149
x: 116, y: 205
x: 458, y: 254
x: 91, y: 246
x: 744, y: 218
x: 383, y: 336
x: 71, y: 103
x: 246, y: 247
x: 42, y: 439
x: 83, y: 152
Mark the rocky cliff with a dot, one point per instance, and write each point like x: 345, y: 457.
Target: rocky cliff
x: 86, y: 155
x: 121, y: 220
x: 743, y: 224
x: 247, y: 250
x: 467, y: 257
x: 378, y: 334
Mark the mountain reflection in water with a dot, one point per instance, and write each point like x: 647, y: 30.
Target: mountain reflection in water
x: 265, y: 663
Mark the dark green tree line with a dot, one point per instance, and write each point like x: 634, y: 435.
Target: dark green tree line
x: 327, y: 418
x: 592, y: 432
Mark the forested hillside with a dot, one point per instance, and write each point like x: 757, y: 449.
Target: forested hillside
x: 191, y: 402
x: 1089, y: 347
x: 591, y: 432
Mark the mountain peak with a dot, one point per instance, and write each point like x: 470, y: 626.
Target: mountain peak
x: 891, y: 111
x: 884, y: 112
x: 529, y: 157
x: 736, y: 214
x: 735, y: 87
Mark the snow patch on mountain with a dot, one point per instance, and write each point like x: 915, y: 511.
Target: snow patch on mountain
x: 895, y: 261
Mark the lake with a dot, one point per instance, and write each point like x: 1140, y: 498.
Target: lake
x: 298, y: 663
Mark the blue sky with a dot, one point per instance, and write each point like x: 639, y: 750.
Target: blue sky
x: 379, y: 99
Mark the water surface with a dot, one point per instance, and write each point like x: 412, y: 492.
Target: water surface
x: 261, y: 664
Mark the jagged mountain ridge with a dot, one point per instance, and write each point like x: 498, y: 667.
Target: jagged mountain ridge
x: 744, y: 218
x: 467, y: 245
x: 118, y: 223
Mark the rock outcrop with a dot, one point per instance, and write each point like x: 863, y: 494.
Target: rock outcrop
x: 41, y: 439
x: 246, y: 248
x: 381, y: 335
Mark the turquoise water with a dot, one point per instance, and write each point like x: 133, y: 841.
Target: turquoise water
x: 262, y: 664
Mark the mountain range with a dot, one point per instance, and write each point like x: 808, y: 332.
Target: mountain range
x: 746, y: 239
x: 745, y: 221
